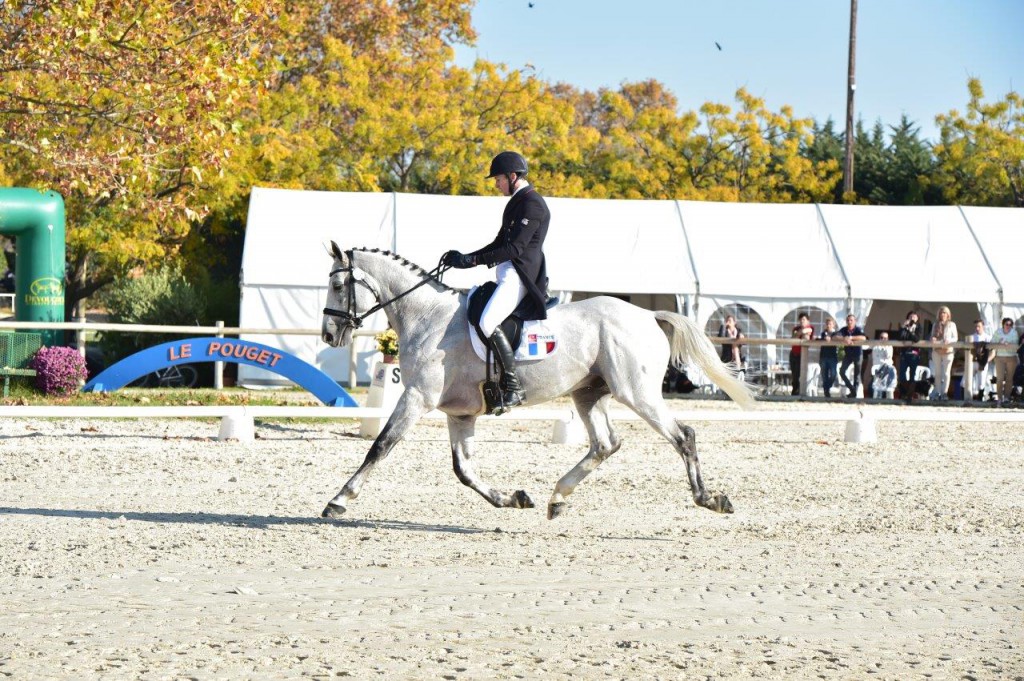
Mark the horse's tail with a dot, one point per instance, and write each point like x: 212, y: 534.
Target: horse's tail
x: 689, y: 344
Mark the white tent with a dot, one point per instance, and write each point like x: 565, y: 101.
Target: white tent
x: 1000, y: 233
x: 914, y: 252
x: 598, y: 245
x: 601, y: 246
x: 912, y: 257
x: 283, y: 277
x: 772, y: 258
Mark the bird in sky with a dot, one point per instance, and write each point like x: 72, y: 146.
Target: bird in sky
x: 716, y: 44
x: 530, y: 5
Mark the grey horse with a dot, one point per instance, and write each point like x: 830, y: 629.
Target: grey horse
x: 609, y: 349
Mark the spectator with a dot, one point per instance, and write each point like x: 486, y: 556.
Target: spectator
x: 852, y: 336
x: 909, y: 357
x: 944, y: 332
x: 676, y: 380
x: 1005, y: 360
x: 981, y: 357
x: 883, y: 372
x: 731, y: 351
x: 1017, y: 392
x: 802, y: 331
x: 828, y: 358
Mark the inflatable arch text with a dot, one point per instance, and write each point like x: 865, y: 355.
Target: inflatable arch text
x: 195, y: 350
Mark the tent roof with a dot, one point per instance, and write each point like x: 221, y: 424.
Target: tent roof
x: 286, y: 232
x: 615, y: 246
x: 770, y: 250
x: 426, y: 226
x: 909, y: 253
x: 592, y: 245
x: 1000, y: 231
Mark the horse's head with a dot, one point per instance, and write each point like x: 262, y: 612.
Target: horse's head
x: 348, y: 298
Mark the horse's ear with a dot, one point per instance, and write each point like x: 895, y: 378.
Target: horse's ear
x: 335, y: 251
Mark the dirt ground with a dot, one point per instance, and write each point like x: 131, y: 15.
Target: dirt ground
x: 149, y: 550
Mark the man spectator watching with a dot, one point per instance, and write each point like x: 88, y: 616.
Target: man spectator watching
x: 828, y: 357
x: 852, y: 336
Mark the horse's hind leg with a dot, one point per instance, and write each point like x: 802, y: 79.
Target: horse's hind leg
x: 654, y: 410
x: 592, y: 406
x: 460, y: 430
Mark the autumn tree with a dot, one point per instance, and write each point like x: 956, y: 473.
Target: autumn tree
x: 981, y: 152
x: 644, y: 147
x: 126, y: 109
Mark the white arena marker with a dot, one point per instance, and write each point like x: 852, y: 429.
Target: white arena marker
x: 861, y: 430
x: 238, y: 426
x: 569, y: 431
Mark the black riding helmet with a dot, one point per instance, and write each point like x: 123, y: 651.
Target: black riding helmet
x: 507, y: 162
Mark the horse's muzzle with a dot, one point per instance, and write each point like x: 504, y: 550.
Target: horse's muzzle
x: 329, y: 332
x: 333, y: 335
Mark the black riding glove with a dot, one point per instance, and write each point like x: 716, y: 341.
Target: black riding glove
x: 459, y: 261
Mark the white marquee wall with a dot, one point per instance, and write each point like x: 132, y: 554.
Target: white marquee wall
x: 701, y: 255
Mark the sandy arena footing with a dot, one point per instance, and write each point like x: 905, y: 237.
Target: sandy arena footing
x: 149, y: 550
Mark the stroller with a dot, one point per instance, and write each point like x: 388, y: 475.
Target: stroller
x: 884, y: 380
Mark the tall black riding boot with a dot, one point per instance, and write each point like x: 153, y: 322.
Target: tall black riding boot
x: 512, y: 389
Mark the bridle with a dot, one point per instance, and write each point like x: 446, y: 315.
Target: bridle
x: 350, y: 317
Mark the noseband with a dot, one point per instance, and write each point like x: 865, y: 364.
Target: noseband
x: 349, y: 317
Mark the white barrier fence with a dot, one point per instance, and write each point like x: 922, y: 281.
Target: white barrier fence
x: 237, y: 421
x: 219, y: 330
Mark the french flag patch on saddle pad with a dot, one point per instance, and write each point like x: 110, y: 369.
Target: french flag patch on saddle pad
x: 539, y: 341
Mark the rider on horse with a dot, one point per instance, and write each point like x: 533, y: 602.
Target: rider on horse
x: 517, y: 253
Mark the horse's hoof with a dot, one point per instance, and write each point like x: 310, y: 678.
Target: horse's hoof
x: 521, y: 500
x: 333, y: 511
x: 556, y: 509
x: 720, y: 504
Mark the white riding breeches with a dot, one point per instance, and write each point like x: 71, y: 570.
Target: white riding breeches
x: 504, y: 300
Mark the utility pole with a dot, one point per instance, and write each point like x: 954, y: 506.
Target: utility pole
x: 851, y: 88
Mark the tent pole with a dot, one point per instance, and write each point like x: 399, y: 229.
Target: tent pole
x: 839, y: 261
x: 689, y: 254
x: 984, y: 256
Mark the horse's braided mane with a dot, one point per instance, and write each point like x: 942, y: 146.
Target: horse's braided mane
x: 409, y: 264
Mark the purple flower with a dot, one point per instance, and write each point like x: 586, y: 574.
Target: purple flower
x: 59, y: 370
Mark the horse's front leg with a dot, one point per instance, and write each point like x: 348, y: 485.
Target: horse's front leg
x: 411, y: 406
x: 461, y: 430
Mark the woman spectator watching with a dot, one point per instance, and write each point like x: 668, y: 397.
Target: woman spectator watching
x: 802, y: 331
x: 731, y: 351
x: 942, y: 357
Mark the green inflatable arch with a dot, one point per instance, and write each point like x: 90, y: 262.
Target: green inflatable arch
x: 36, y: 220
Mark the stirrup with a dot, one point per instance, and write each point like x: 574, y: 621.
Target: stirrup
x: 512, y: 398
x: 497, y: 400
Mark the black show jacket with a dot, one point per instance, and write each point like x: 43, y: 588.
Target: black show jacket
x: 524, y: 225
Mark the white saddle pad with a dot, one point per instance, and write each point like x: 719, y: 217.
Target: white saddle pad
x: 539, y: 341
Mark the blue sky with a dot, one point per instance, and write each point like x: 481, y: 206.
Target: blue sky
x: 913, y: 56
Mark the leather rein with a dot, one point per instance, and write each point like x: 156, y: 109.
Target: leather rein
x: 350, y: 317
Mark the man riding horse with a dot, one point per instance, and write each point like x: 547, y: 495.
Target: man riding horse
x: 517, y: 252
